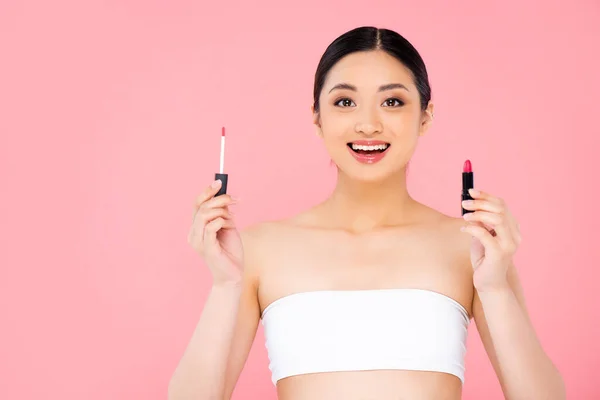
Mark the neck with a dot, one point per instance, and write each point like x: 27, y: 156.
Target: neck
x: 359, y: 206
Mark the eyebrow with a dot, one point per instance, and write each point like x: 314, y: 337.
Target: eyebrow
x: 382, y: 88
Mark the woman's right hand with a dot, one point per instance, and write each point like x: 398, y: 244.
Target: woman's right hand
x: 214, y: 236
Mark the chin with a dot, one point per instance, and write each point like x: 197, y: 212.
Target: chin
x: 371, y: 173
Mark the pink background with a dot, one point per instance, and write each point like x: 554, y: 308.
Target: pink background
x: 110, y: 115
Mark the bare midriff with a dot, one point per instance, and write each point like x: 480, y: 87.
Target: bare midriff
x: 371, y: 385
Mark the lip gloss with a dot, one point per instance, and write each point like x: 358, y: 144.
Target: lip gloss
x: 467, y: 183
x: 221, y: 175
x: 368, y: 158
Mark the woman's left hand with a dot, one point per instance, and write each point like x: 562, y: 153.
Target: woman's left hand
x: 496, y: 239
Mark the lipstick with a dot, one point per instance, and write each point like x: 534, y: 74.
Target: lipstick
x: 221, y: 175
x: 467, y: 183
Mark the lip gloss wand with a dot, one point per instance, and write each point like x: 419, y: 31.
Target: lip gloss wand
x: 221, y: 175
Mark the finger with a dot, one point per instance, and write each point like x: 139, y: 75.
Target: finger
x: 485, y: 226
x: 208, y: 193
x: 210, y: 233
x: 483, y: 235
x: 483, y: 205
x: 514, y: 226
x: 204, y: 216
x: 196, y: 234
x: 495, y: 221
x: 481, y: 195
x: 487, y: 202
x: 490, y: 218
x: 221, y: 201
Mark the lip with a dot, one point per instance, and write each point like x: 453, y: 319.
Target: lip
x: 369, y: 142
x: 368, y: 158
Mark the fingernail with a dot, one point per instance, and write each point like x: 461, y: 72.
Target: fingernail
x: 216, y: 184
x: 474, y: 192
x: 234, y: 199
x: 467, y: 203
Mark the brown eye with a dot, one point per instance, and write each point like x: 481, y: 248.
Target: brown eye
x: 390, y: 102
x: 346, y: 102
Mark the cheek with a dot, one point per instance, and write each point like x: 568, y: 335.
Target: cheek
x: 405, y: 125
x: 404, y: 117
x: 334, y: 144
x: 336, y: 127
x: 402, y: 128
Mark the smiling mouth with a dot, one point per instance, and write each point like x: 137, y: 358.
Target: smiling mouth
x: 366, y: 150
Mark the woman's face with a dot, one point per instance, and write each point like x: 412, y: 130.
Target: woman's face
x: 370, y: 99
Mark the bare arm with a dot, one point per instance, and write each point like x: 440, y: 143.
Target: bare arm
x: 200, y: 372
x: 522, y: 367
x: 218, y: 349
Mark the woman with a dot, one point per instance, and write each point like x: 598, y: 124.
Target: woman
x: 367, y: 295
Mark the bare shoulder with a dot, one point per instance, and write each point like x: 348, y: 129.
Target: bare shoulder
x: 260, y: 239
x: 255, y: 237
x: 252, y: 235
x: 264, y: 244
x: 448, y: 227
x: 272, y: 232
x: 451, y: 241
x: 453, y: 247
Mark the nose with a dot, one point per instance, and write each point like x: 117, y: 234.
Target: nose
x: 369, y: 123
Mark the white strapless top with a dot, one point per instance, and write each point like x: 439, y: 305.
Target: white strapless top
x: 358, y: 330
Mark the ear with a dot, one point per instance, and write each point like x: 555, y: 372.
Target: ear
x: 426, y: 120
x: 316, y: 121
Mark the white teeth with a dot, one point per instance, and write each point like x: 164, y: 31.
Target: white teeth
x: 369, y: 148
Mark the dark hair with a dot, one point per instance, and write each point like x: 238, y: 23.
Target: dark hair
x: 368, y: 38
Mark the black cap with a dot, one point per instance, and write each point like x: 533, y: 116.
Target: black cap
x: 223, y: 179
